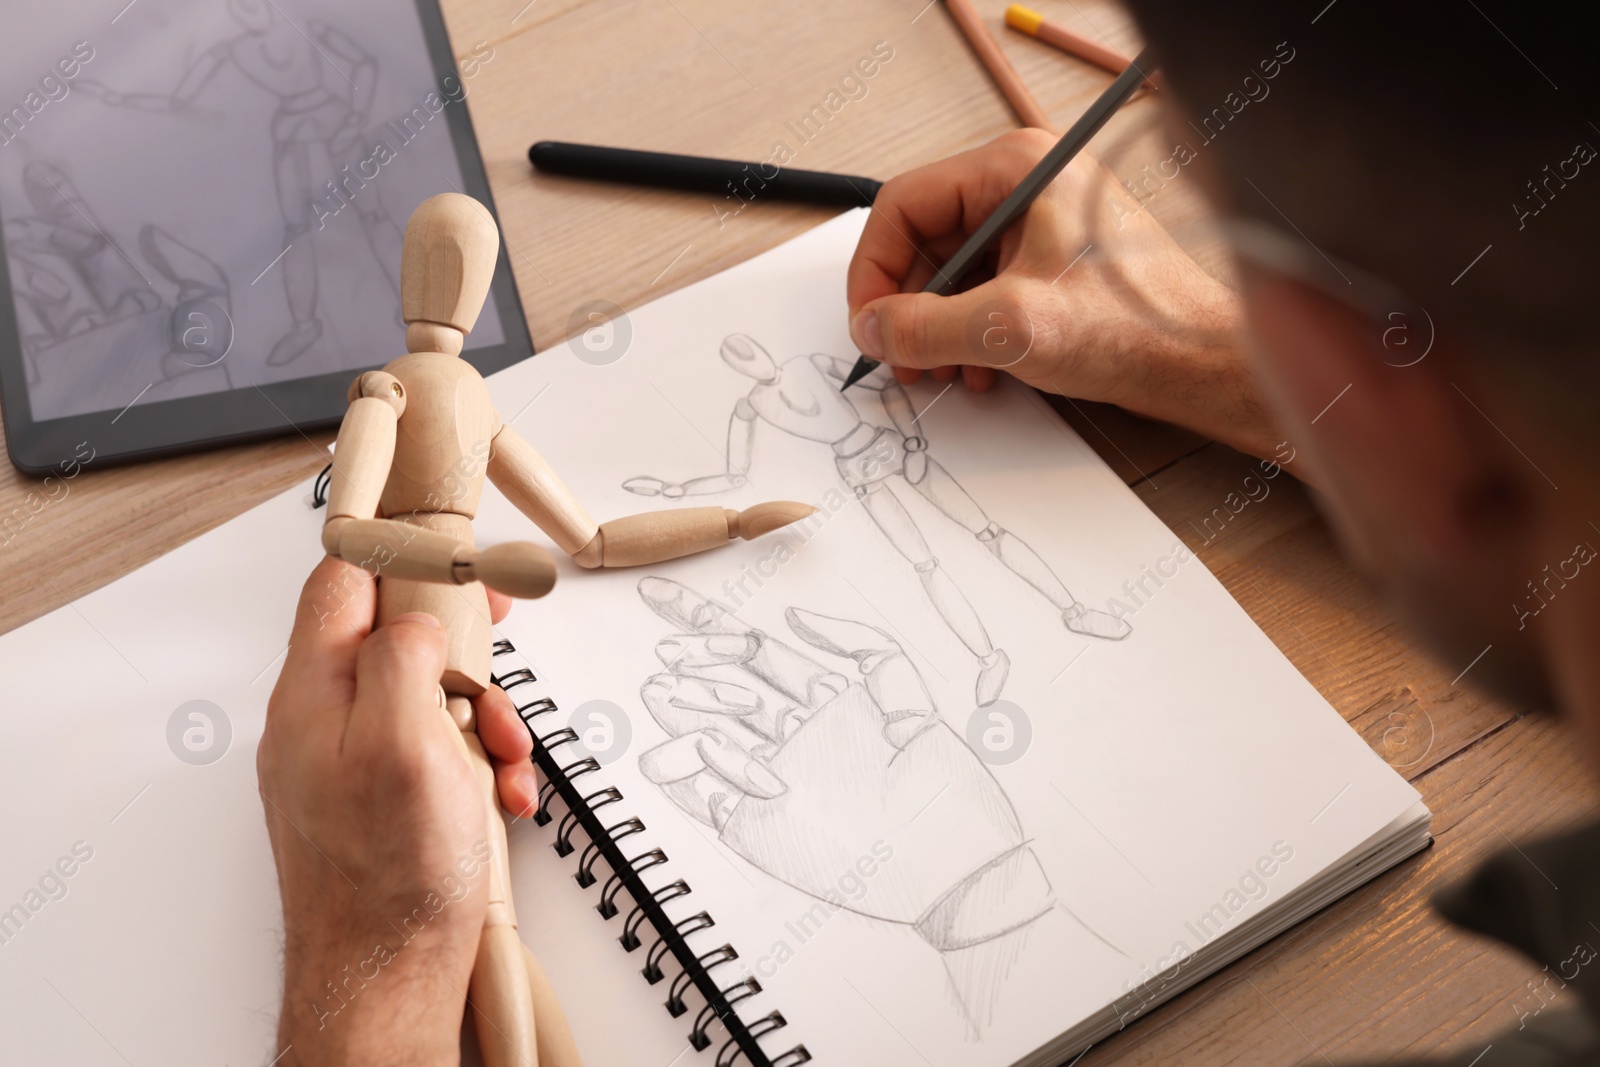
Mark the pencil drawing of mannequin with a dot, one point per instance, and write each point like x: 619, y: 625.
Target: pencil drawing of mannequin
x: 325, y: 85
x: 802, y: 397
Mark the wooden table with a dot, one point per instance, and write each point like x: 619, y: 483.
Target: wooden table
x: 1375, y: 975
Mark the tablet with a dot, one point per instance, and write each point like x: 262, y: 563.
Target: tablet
x: 202, y: 204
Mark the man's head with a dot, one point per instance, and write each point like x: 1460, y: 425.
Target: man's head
x: 1452, y: 158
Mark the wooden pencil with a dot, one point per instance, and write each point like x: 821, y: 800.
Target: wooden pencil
x: 1026, y: 20
x: 1000, y: 69
x: 987, y: 235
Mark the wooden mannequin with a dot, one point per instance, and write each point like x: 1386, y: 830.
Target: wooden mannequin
x: 415, y: 445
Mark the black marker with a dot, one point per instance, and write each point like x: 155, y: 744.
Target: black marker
x: 697, y: 174
x: 949, y: 276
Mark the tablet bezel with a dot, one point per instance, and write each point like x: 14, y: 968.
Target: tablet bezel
x: 211, y: 420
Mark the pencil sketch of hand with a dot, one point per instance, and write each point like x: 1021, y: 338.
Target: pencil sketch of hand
x: 803, y: 771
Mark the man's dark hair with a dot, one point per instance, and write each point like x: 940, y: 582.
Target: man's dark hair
x: 1408, y: 138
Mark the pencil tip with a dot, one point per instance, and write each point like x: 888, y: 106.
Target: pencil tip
x: 864, y: 366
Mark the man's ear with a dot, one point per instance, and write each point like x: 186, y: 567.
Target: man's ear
x: 1421, y: 474
x: 1406, y: 462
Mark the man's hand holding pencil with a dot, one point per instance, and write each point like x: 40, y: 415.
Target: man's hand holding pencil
x: 1087, y: 295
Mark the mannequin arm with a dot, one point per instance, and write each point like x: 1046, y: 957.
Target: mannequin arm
x: 519, y: 472
x: 741, y: 439
x: 364, y: 452
x: 396, y: 549
x: 391, y: 549
x: 364, y: 72
x: 896, y: 402
x: 897, y: 405
x: 831, y: 366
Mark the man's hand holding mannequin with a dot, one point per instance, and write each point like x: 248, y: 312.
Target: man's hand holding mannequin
x: 377, y: 829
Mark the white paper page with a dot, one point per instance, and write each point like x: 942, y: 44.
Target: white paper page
x: 1164, y: 768
x: 1161, y: 768
x: 165, y: 945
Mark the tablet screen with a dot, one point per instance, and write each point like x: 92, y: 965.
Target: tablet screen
x: 207, y: 195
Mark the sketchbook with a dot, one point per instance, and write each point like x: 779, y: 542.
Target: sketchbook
x: 976, y: 765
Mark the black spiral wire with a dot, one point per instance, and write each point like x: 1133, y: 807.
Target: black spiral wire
x: 670, y: 936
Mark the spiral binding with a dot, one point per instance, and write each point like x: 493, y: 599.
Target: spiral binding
x: 671, y: 936
x: 319, y: 488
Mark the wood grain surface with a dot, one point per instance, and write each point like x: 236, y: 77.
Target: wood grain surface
x: 1375, y: 975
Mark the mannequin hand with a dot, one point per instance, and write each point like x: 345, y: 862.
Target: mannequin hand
x: 648, y: 486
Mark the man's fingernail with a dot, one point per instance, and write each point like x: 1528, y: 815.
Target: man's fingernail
x: 418, y: 616
x: 528, y: 783
x: 864, y: 331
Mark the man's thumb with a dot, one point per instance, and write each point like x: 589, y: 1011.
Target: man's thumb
x: 922, y: 330
x: 398, y: 670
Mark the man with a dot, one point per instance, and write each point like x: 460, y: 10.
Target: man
x: 1407, y: 198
